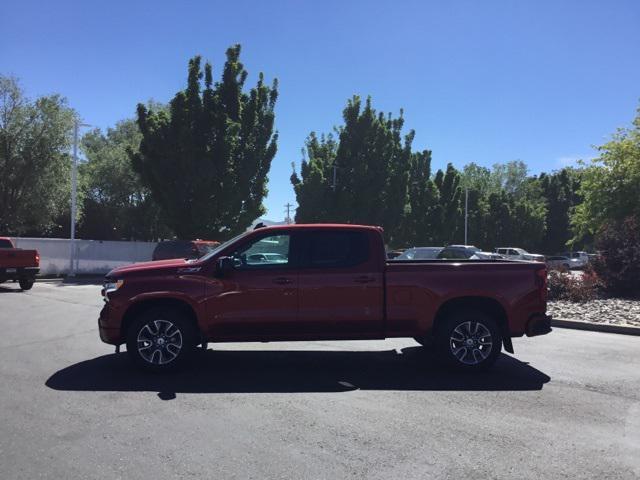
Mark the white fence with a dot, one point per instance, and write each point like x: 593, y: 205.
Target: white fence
x: 92, y: 256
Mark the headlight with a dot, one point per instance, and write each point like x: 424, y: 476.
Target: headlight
x: 110, y: 287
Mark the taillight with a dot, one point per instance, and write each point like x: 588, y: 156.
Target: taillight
x: 37, y: 259
x: 541, y: 283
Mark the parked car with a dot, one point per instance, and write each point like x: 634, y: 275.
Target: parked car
x: 395, y: 253
x: 469, y: 252
x: 513, y: 253
x: 336, y: 284
x: 487, y: 256
x: 188, y: 249
x: 557, y: 262
x: 468, y: 247
x: 17, y: 264
x: 578, y: 259
x: 420, y: 253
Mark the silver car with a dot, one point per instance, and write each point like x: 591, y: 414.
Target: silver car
x: 420, y: 253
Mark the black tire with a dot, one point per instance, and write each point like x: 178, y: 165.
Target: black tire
x: 469, y: 340
x: 26, y: 283
x: 161, y: 339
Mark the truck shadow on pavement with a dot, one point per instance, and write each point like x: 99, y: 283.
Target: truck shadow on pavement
x: 290, y: 371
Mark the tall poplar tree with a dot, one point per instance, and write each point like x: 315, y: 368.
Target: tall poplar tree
x: 206, y: 160
x: 371, y: 161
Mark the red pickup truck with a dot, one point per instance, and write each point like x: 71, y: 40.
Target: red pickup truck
x: 18, y: 264
x: 329, y: 282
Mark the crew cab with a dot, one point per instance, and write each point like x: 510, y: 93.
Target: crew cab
x: 321, y: 282
x: 17, y: 264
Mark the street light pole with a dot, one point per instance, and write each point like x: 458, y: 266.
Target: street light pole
x: 74, y: 190
x: 466, y: 213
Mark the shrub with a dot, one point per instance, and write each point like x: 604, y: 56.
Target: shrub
x: 619, y: 263
x: 574, y: 288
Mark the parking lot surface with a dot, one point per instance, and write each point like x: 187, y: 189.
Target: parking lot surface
x: 567, y: 405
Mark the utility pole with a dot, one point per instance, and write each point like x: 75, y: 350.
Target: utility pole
x: 288, y: 217
x: 74, y: 190
x: 466, y: 213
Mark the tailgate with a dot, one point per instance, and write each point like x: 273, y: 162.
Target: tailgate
x: 15, y: 258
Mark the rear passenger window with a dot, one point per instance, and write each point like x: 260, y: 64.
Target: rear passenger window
x: 337, y: 249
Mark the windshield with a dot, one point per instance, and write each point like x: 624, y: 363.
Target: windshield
x: 221, y: 247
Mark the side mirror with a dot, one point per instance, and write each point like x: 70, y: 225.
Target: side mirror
x: 224, y: 266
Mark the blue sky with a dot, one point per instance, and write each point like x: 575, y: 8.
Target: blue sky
x: 482, y: 81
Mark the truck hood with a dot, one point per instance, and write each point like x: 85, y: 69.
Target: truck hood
x: 148, y: 267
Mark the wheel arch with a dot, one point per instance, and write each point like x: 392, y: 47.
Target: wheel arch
x: 488, y: 305
x: 141, y: 306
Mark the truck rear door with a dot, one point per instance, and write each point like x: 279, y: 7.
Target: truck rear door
x: 340, y: 282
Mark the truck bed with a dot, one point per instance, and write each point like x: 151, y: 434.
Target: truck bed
x: 416, y: 289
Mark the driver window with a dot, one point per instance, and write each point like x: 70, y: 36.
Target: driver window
x: 264, y: 252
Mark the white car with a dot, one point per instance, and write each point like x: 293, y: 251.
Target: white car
x: 514, y: 253
x: 487, y: 256
x: 558, y: 262
x: 578, y: 259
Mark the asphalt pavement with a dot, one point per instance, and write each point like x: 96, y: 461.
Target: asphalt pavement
x: 566, y: 405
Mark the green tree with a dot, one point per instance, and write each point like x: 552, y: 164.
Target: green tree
x: 371, y: 160
x: 314, y: 191
x: 510, y: 177
x: 423, y: 218
x: 480, y: 179
x: 498, y: 222
x: 450, y: 209
x: 559, y: 190
x: 116, y: 205
x: 34, y: 162
x: 206, y: 160
x: 610, y: 186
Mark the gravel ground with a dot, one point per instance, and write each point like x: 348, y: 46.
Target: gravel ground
x: 613, y: 311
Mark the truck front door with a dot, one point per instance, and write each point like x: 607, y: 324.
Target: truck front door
x: 259, y: 297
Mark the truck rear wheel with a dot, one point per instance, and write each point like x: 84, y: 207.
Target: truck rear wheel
x: 26, y: 283
x: 469, y: 340
x: 161, y: 340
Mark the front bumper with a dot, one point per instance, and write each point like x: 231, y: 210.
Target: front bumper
x: 538, y: 324
x: 109, y: 333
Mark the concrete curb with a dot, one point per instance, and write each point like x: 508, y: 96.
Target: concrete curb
x: 595, y: 327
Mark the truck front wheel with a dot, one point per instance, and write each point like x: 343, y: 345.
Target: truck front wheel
x: 161, y: 339
x: 26, y: 283
x: 469, y: 340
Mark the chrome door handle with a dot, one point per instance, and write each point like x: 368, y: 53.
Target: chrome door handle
x: 282, y: 281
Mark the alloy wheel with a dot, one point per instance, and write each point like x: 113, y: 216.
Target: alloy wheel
x: 159, y: 342
x: 471, y: 342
